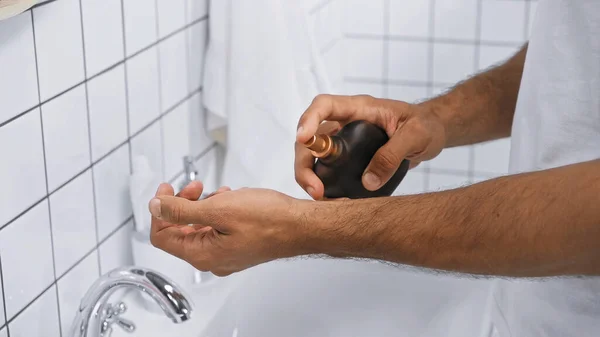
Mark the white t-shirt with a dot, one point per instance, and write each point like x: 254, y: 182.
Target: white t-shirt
x: 557, y: 122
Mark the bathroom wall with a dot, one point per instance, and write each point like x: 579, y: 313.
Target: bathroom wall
x: 410, y: 50
x: 86, y: 85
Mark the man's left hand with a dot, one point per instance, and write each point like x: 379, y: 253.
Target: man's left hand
x: 230, y: 230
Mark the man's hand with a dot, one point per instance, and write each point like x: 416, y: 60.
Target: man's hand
x: 230, y: 230
x: 415, y: 132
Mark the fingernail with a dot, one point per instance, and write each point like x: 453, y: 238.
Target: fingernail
x: 155, y: 208
x: 300, y: 131
x: 310, y: 191
x: 371, y: 180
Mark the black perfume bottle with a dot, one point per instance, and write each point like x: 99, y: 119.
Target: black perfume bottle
x: 343, y: 158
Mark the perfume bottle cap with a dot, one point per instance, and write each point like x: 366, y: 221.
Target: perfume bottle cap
x: 320, y: 145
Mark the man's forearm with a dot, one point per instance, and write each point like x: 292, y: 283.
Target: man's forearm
x: 538, y: 224
x: 482, y: 107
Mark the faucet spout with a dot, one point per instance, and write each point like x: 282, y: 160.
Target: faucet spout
x: 95, y: 316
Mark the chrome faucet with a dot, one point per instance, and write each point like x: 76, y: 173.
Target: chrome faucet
x: 96, y: 316
x: 189, y: 171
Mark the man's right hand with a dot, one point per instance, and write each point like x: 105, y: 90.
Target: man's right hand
x: 416, y: 133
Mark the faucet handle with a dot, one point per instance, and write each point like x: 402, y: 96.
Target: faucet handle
x: 112, y: 315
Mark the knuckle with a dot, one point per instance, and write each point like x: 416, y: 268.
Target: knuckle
x: 387, y: 160
x: 321, y: 99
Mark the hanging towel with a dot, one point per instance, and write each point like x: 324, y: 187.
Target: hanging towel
x: 262, y: 71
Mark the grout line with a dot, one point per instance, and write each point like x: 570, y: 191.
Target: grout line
x: 87, y: 104
x: 45, y: 165
x: 111, y: 67
x: 4, y: 298
x: 477, y: 53
x: 430, y: 62
x: 55, y: 283
x: 319, y: 6
x: 160, y: 94
x: 330, y: 45
x: 402, y: 38
x: 386, y: 48
x: 30, y: 303
x: 126, y: 78
x: 94, y: 163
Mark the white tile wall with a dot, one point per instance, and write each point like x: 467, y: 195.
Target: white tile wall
x: 412, y: 50
x: 39, y: 319
x: 59, y: 46
x: 17, y: 51
x: 103, y: 34
x: 66, y: 137
x: 101, y: 83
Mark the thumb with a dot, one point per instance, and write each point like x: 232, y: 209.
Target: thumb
x: 177, y: 210
x: 386, y: 162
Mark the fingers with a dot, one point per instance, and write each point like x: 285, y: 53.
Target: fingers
x: 219, y: 191
x: 304, y: 161
x: 305, y: 176
x: 331, y: 108
x: 192, y: 191
x: 388, y: 158
x: 178, y: 210
x: 164, y: 235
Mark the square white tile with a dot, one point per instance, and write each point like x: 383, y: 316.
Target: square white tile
x: 143, y: 89
x: 452, y: 62
x: 73, y: 286
x: 140, y: 24
x: 441, y: 182
x: 196, y: 9
x: 22, y: 285
x: 59, y: 46
x: 413, y: 183
x: 73, y: 222
x: 410, y: 18
x: 111, y: 181
x: 199, y: 138
x: 364, y: 17
x: 456, y: 19
x: 495, y: 55
x: 149, y: 144
x: 102, y: 34
x: 454, y: 158
x: 503, y: 20
x: 176, y: 137
x: 406, y: 93
x: 19, y: 74
x: 492, y: 157
x: 116, y: 251
x: 66, y: 136
x: 39, y: 319
x: 108, y: 111
x: 173, y: 70
x: 197, y: 36
x: 363, y: 88
x: 3, y: 332
x: 24, y: 177
x: 171, y: 16
x: 363, y: 58
x: 408, y: 61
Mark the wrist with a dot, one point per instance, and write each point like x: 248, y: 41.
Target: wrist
x: 318, y: 229
x: 443, y: 108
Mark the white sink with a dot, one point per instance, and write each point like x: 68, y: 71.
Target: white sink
x: 306, y: 298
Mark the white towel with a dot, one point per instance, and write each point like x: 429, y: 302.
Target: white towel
x: 262, y: 70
